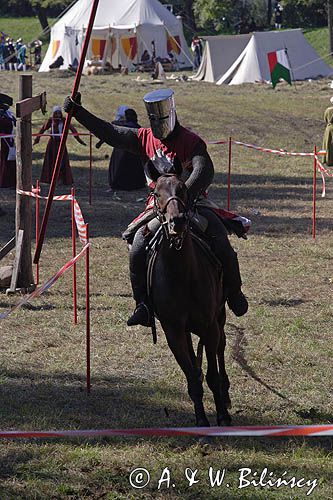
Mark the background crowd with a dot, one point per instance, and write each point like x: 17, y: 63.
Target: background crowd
x: 17, y: 56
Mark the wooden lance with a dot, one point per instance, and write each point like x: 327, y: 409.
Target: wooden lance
x: 65, y: 134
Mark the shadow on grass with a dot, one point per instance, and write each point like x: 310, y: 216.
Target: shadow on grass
x: 110, y: 214
x: 238, y: 354
x: 59, y: 400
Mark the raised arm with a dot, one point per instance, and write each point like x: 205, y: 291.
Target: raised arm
x: 202, y: 173
x: 118, y: 137
x: 45, y: 127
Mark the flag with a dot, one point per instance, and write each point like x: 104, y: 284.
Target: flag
x: 98, y: 47
x: 173, y: 44
x: 55, y: 47
x: 130, y: 47
x: 279, y: 66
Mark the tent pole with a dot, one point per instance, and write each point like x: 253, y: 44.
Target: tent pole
x: 64, y: 136
x: 180, y: 48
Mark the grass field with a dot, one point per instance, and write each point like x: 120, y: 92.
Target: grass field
x: 279, y: 356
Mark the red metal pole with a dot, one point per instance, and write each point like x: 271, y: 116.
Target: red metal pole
x: 314, y: 191
x: 73, y: 254
x: 87, y: 313
x: 37, y: 227
x: 65, y: 134
x: 90, y: 167
x: 229, y: 172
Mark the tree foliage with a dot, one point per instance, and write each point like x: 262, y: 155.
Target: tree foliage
x: 216, y: 14
x: 223, y: 14
x: 301, y: 13
x: 28, y: 7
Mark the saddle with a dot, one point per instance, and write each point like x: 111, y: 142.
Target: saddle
x: 234, y: 224
x: 200, y: 240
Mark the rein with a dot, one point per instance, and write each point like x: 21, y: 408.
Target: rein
x: 175, y: 242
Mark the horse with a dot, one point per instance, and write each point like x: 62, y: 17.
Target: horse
x: 187, y: 298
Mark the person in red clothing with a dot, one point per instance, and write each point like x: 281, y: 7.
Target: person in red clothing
x: 7, y: 144
x: 167, y: 147
x: 55, y: 124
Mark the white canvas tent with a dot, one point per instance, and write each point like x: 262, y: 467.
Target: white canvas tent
x: 123, y: 29
x: 243, y: 58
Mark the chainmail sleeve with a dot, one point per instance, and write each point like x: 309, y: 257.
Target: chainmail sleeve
x: 202, y: 173
x: 119, y: 137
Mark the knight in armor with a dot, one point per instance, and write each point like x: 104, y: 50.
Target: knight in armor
x: 166, y: 147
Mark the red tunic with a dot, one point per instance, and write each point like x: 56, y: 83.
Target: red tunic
x: 181, y: 146
x: 7, y: 168
x: 51, y: 153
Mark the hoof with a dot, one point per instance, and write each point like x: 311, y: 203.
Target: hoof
x: 205, y: 441
x: 202, y: 422
x: 224, y: 421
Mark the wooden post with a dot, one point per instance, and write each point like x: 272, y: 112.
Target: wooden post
x: 17, y: 261
x: 24, y: 182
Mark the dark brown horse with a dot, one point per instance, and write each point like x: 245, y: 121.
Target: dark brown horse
x: 187, y: 297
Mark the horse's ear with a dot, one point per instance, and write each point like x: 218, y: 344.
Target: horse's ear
x: 177, y: 166
x: 151, y: 171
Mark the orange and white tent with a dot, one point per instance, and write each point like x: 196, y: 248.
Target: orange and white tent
x: 123, y: 29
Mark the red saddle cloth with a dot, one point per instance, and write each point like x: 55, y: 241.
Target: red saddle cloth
x: 234, y: 223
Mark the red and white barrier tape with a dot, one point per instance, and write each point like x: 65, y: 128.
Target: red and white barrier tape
x: 59, y: 135
x: 275, y: 151
x: 322, y: 170
x: 48, y: 284
x: 280, y: 152
x: 79, y: 220
x: 217, y: 142
x: 246, y: 431
x: 7, y: 136
x: 80, y: 224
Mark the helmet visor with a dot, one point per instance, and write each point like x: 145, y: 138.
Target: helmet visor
x: 161, y: 111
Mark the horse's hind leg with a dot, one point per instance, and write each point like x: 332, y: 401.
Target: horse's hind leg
x: 224, y: 380
x: 196, y: 361
x: 178, y: 343
x: 213, y: 376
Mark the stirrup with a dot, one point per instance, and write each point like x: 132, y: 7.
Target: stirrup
x: 141, y: 316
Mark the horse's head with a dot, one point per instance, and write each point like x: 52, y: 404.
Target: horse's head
x: 171, y: 206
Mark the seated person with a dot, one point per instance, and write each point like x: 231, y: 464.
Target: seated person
x: 145, y: 58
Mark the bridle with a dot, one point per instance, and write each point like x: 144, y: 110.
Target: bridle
x: 175, y: 242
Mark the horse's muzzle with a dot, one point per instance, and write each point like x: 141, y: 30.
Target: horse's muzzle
x: 177, y: 225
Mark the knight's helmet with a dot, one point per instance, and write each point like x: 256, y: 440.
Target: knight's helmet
x: 161, y: 109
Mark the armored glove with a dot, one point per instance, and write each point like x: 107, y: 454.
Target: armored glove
x: 71, y: 105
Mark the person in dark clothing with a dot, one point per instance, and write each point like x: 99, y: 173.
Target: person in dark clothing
x: 55, y: 125
x: 278, y: 15
x: 126, y: 169
x: 37, y: 52
x: 167, y: 147
x: 196, y: 47
x: 7, y: 143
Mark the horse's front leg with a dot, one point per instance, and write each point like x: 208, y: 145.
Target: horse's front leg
x: 178, y: 343
x: 212, y: 343
x: 224, y: 379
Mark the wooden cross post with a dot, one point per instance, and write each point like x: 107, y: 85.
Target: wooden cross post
x: 26, y: 105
